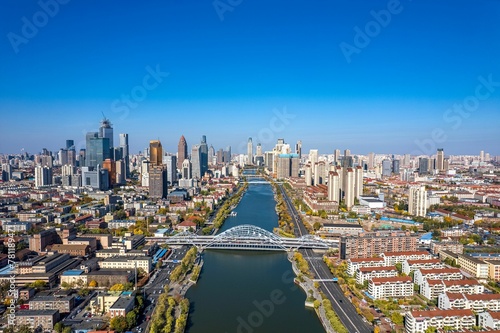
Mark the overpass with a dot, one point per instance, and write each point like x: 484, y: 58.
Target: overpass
x: 246, y: 237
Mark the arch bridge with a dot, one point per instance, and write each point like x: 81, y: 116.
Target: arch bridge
x: 247, y: 237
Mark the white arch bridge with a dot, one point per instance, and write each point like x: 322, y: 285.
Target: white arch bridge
x: 247, y: 237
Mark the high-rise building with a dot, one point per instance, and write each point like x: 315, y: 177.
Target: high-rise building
x: 158, y: 187
x: 298, y: 149
x: 481, y: 156
x: 171, y: 164
x: 97, y: 150
x: 120, y: 172
x: 417, y: 201
x: 70, y: 144
x: 155, y: 153
x: 96, y: 178
x: 63, y: 156
x: 313, y: 156
x: 67, y: 170
x: 258, y: 150
x: 125, y: 153
x: 110, y: 165
x: 386, y: 168
x: 203, y: 155
x: 423, y: 165
x: 288, y: 166
x: 395, y: 167
x: 186, y: 169
x: 308, y: 174
x: 336, y: 156
x: 371, y: 161
x: 106, y: 131
x: 358, y: 181
x: 249, y: 151
x: 227, y: 155
x: 196, y: 162
x: 349, y: 187
x: 333, y: 186
x: 211, y: 154
x: 72, y: 156
x: 347, y: 152
x: 43, y: 176
x: 182, y: 152
x: 6, y: 172
x: 440, y: 160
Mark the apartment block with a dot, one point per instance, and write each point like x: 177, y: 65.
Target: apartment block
x: 62, y: 304
x: 431, y: 289
x: 489, y: 320
x: 473, y: 266
x: 493, y: 269
x: 124, y: 262
x: 355, y: 263
x: 392, y: 287
x: 455, y: 247
x: 367, y: 273
x: 419, y: 321
x: 412, y: 265
x: 437, y: 274
x: 46, y: 319
x: 371, y: 244
x: 393, y: 258
x: 476, y: 302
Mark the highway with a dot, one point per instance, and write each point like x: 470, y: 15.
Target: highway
x: 341, y: 304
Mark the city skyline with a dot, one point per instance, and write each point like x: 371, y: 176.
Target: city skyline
x: 304, y: 71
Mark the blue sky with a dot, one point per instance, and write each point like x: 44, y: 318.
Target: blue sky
x: 229, y: 78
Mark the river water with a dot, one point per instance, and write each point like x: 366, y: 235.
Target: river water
x: 249, y: 291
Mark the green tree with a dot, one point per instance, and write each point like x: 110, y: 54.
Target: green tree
x: 58, y: 327
x: 131, y: 318
x: 430, y: 329
x: 67, y: 329
x: 118, y: 323
x: 38, y: 284
x: 317, y: 226
x: 397, y: 318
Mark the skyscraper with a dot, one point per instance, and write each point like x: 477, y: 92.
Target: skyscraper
x: 336, y: 156
x: 440, y: 160
x: 97, y: 149
x: 417, y: 201
x: 186, y: 169
x: 258, y: 150
x: 203, y: 155
x: 171, y: 164
x: 386, y: 168
x: 43, y: 176
x: 155, y: 153
x: 70, y: 144
x: 158, y: 182
x: 313, y: 156
x: 333, y: 186
x: 423, y: 165
x: 395, y: 167
x: 211, y: 154
x: 182, y: 152
x: 298, y: 149
x: 249, y: 151
x: 349, y: 187
x: 196, y: 162
x: 125, y: 153
x: 106, y: 131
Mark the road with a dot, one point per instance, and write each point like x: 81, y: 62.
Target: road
x: 341, y: 304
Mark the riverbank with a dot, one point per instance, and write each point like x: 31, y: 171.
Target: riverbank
x: 314, y: 298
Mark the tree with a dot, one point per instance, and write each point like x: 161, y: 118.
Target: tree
x: 131, y: 318
x: 430, y: 329
x: 93, y: 284
x: 317, y: 226
x: 399, y: 267
x: 117, y: 287
x: 397, y: 318
x: 24, y: 329
x: 67, y: 329
x: 39, y: 284
x: 58, y: 327
x: 119, y: 323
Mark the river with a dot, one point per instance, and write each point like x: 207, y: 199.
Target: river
x: 249, y: 291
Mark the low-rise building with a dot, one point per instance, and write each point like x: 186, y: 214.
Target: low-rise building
x: 75, y: 250
x: 46, y: 319
x: 393, y: 258
x: 476, y: 302
x: 392, y: 287
x: 475, y: 267
x: 110, y: 277
x: 355, y: 263
x: 367, y: 273
x: 125, y: 262
x: 493, y: 269
x: 452, y: 246
x: 437, y: 274
x: 489, y: 320
x: 412, y: 265
x: 341, y: 228
x: 122, y: 306
x: 431, y: 289
x: 419, y: 321
x: 62, y: 304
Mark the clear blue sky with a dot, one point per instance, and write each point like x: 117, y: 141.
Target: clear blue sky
x: 228, y: 78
